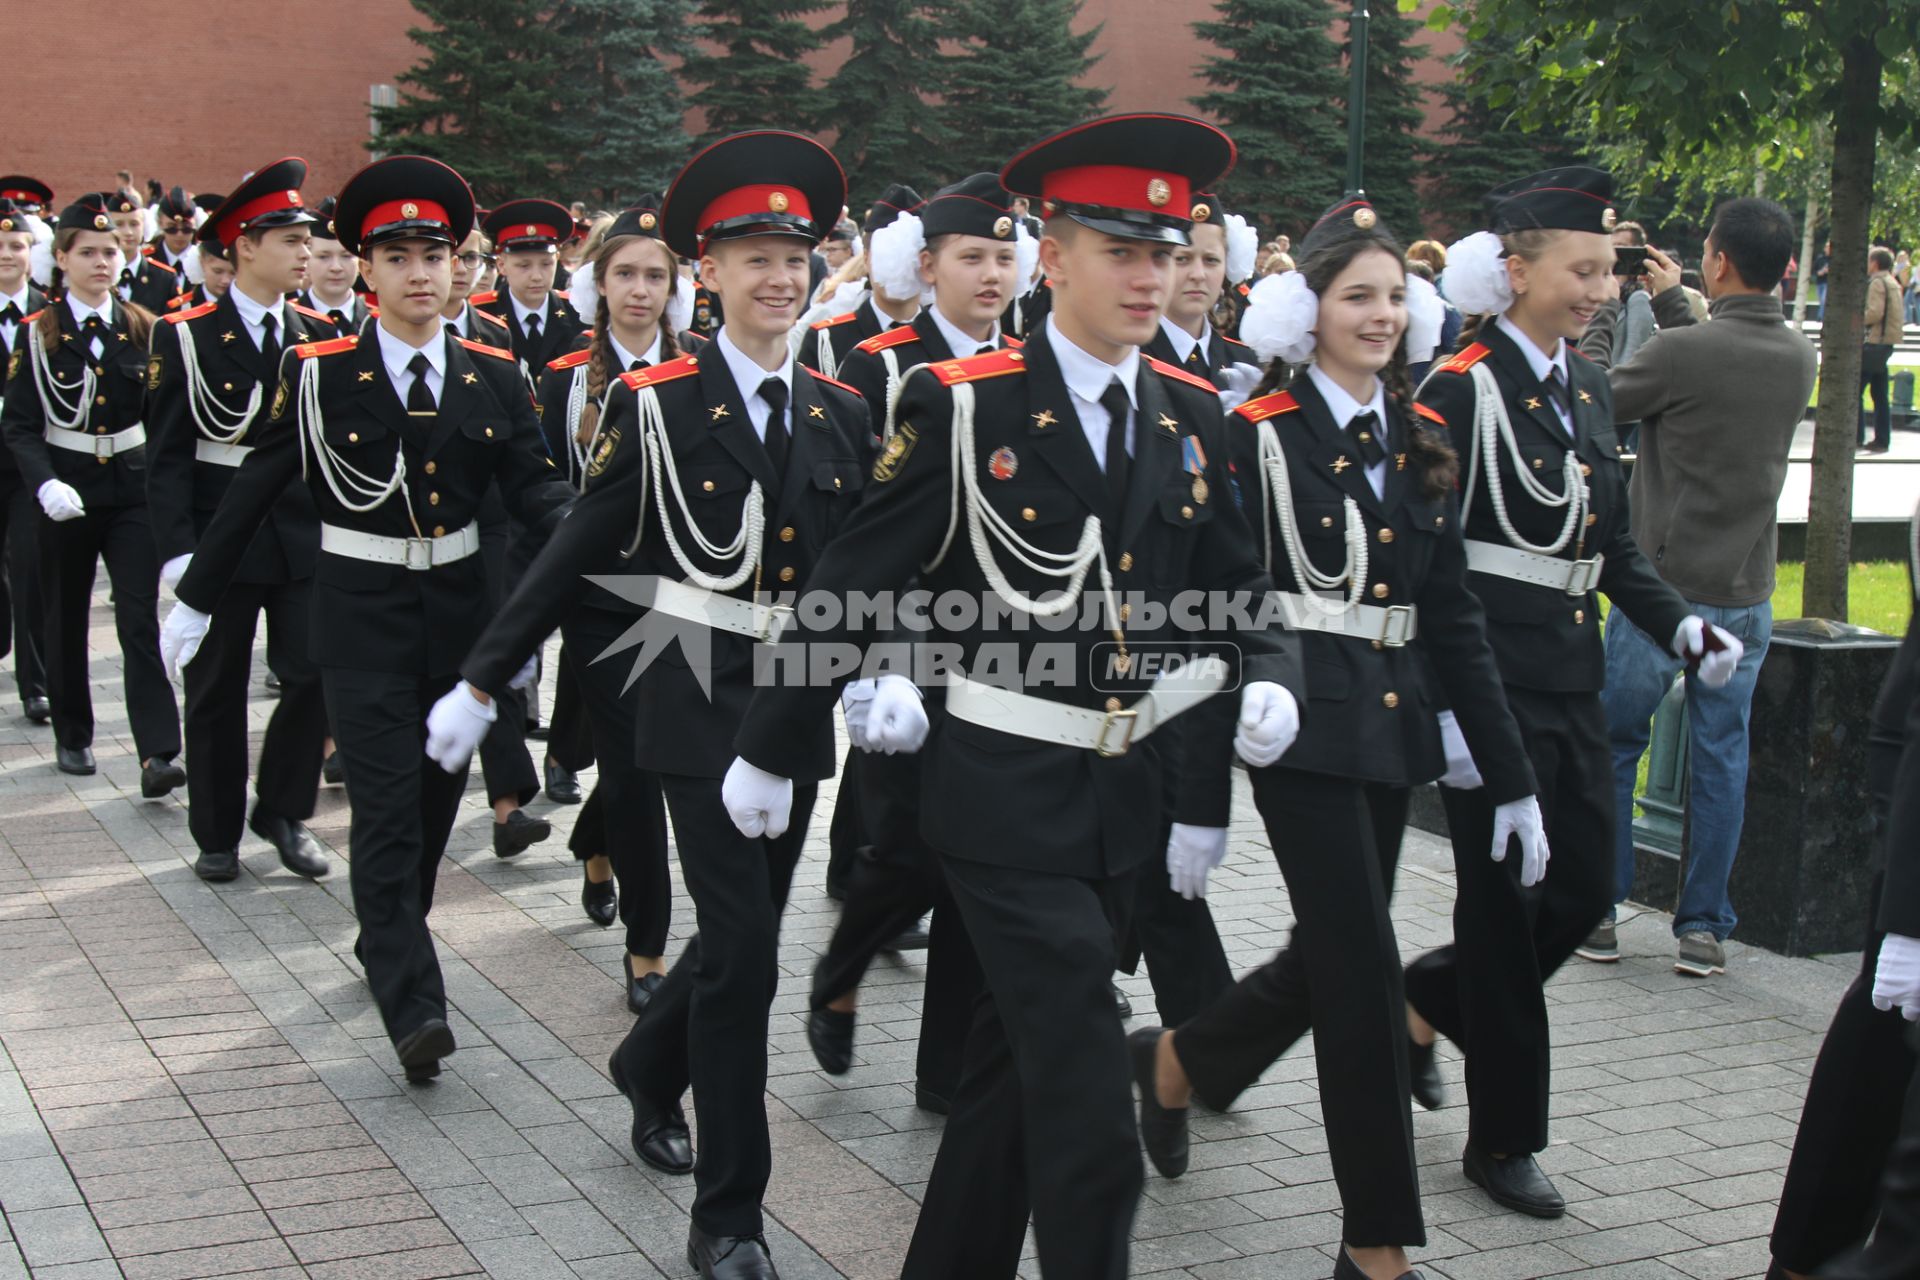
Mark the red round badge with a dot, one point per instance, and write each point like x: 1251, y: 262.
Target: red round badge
x: 1002, y: 464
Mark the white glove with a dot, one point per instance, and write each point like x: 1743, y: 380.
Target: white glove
x: 1896, y: 978
x: 524, y: 676
x: 1240, y: 380
x: 855, y: 701
x: 1522, y: 818
x: 455, y: 726
x: 760, y: 803
x: 896, y: 720
x: 1191, y: 853
x: 180, y: 636
x: 173, y: 570
x: 1462, y: 774
x: 1690, y: 644
x: 1269, y: 722
x: 60, y: 500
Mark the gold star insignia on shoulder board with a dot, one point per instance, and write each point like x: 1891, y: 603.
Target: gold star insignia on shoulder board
x: 1585, y: 398
x: 1340, y: 464
x: 1399, y: 462
x: 1168, y: 425
x: 469, y: 377
x: 1044, y: 418
x: 1533, y: 402
x: 719, y: 412
x: 228, y: 336
x: 366, y: 375
x: 816, y: 411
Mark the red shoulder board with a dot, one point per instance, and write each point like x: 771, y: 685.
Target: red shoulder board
x: 146, y: 251
x: 373, y: 310
x: 35, y: 316
x: 191, y: 312
x: 1472, y: 356
x: 654, y: 375
x: 1013, y: 344
x: 309, y: 312
x: 1430, y: 414
x: 1234, y: 342
x: 180, y: 300
x: 893, y: 337
x: 1269, y: 406
x: 489, y: 317
x: 1246, y: 290
x: 331, y: 347
x: 486, y: 350
x: 481, y: 299
x: 835, y: 381
x: 828, y: 324
x: 572, y: 360
x: 166, y: 267
x: 1174, y: 371
x: 992, y: 364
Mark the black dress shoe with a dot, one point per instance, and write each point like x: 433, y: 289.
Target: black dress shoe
x: 563, y: 787
x: 1514, y: 1181
x: 641, y: 990
x: 729, y: 1257
x: 830, y: 1036
x: 158, y: 777
x: 914, y: 939
x: 271, y: 683
x: 536, y: 730
x: 1121, y: 1004
x: 1163, y: 1130
x: 932, y: 1100
x: 38, y: 709
x: 519, y: 833
x: 1345, y: 1268
x: 299, y: 852
x: 660, y: 1136
x: 217, y: 866
x: 1423, y: 1073
x: 75, y: 760
x: 600, y: 900
x: 330, y: 771
x: 421, y: 1049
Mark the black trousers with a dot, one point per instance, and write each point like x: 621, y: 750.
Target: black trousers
x: 1043, y: 1120
x: 1894, y: 1251
x: 895, y: 881
x: 1873, y: 379
x: 707, y: 1025
x: 218, y: 688
x: 847, y: 832
x: 1180, y: 943
x: 1485, y: 992
x: 505, y: 765
x: 625, y: 817
x: 403, y: 810
x: 21, y: 627
x: 1338, y: 844
x: 1860, y: 1081
x: 570, y: 742
x: 69, y: 551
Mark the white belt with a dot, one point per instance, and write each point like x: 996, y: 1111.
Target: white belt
x: 220, y: 455
x: 1575, y: 577
x: 418, y: 554
x: 762, y: 622
x: 1390, y: 626
x: 1109, y: 733
x: 99, y: 446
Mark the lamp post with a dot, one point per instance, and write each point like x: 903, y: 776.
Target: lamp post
x: 1356, y: 94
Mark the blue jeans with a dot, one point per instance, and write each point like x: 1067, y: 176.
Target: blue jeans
x: 1640, y: 670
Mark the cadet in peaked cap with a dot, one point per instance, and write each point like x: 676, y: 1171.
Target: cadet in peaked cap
x: 30, y: 194
x: 1203, y: 312
x: 332, y: 272
x: 526, y: 236
x: 20, y: 613
x: 832, y: 338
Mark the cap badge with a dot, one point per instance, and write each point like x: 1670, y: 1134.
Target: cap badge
x: 532, y: 230
x: 778, y: 202
x: 6, y: 224
x: 293, y: 197
x: 1003, y: 227
x: 1364, y: 218
x: 1607, y: 219
x: 1202, y: 211
x: 409, y: 210
x: 648, y: 222
x: 1159, y: 193
x: 1002, y: 464
x: 100, y: 222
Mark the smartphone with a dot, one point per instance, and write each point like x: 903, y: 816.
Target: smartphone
x: 1629, y: 260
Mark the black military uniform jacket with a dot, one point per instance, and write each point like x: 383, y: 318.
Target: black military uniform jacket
x: 1544, y: 638
x: 1893, y: 770
x: 556, y: 390
x: 35, y: 301
x: 387, y: 617
x: 1221, y: 351
x: 684, y: 728
x: 992, y: 796
x: 1371, y: 706
x: 352, y: 320
x: 154, y: 283
x: 119, y: 402
x: 915, y: 343
x: 841, y: 333
x: 183, y: 489
x: 558, y: 331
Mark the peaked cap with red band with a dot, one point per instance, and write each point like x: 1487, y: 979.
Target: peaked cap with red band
x: 521, y: 225
x: 30, y: 194
x: 403, y: 198
x: 270, y: 198
x: 1132, y: 176
x: 763, y: 183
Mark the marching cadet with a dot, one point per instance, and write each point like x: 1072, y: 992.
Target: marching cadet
x: 332, y: 272
x: 397, y: 432
x: 174, y: 235
x: 1353, y: 495
x: 144, y: 281
x: 621, y: 834
x: 1221, y: 255
x: 760, y: 465
x: 1545, y: 506
x: 211, y: 373
x: 828, y: 342
x: 20, y: 618
x: 73, y: 421
x: 526, y: 236
x: 1073, y: 463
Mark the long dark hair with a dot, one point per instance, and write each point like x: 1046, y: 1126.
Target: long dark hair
x: 602, y: 343
x: 139, y: 319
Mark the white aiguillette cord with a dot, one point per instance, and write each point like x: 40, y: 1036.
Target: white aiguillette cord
x: 217, y: 422
x: 657, y: 467
x: 1491, y: 424
x: 1276, y: 485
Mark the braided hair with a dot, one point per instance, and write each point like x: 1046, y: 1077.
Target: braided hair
x: 601, y: 363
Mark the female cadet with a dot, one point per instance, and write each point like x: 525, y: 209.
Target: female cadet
x: 631, y: 287
x: 1221, y: 254
x: 1545, y: 506
x: 1358, y: 526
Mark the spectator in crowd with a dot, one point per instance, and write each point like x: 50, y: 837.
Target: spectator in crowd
x: 1885, y: 312
x: 1718, y: 404
x: 1821, y: 261
x: 1276, y: 263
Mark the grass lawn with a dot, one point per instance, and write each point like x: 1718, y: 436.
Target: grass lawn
x: 1877, y: 595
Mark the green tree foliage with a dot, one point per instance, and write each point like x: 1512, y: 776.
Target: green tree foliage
x: 1395, y: 111
x: 623, y: 107
x: 757, y: 76
x: 888, y: 131
x: 1017, y: 75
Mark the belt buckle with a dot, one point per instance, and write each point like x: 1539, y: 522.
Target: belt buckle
x: 419, y: 554
x: 1128, y: 718
x: 1582, y: 576
x: 777, y: 616
x: 1397, y: 627
x: 103, y: 447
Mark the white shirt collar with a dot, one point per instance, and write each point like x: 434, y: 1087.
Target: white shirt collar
x: 251, y: 310
x: 397, y: 355
x: 1184, y: 342
x: 81, y: 310
x: 462, y: 323
x: 626, y: 357
x: 959, y: 341
x: 17, y: 299
x: 1087, y: 375
x: 1539, y: 361
x: 521, y: 311
x: 885, y: 321
x: 1344, y: 407
x: 748, y: 375
x: 318, y: 303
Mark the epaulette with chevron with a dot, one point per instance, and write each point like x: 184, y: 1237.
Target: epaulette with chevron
x: 1176, y: 372
x: 654, y: 375
x: 1012, y: 343
x: 489, y: 317
x: 481, y: 299
x: 991, y: 364
x: 191, y: 313
x: 1472, y: 356
x: 331, y: 347
x: 821, y: 377
x: 167, y: 267
x: 1269, y: 406
x: 1429, y: 413
x: 834, y: 320
x: 175, y: 303
x: 485, y: 350
x: 571, y: 360
x: 310, y: 313
x: 894, y: 337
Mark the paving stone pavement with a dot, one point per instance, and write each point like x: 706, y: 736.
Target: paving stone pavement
x: 193, y: 1081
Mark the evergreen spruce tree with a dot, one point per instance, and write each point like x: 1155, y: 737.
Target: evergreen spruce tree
x: 888, y: 131
x: 1391, y: 159
x: 758, y: 77
x: 1479, y: 148
x: 1016, y: 77
x: 622, y: 106
x: 1279, y: 90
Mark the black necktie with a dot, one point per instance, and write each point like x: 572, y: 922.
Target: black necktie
x: 10, y: 314
x: 339, y: 319
x: 96, y: 334
x: 1363, y: 429
x: 774, y: 392
x: 638, y: 364
x: 270, y: 340
x: 419, y: 395
x: 533, y: 327
x: 453, y: 330
x: 1114, y: 401
x: 1558, y: 391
